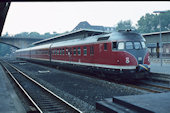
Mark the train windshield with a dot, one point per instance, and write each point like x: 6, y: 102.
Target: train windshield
x: 137, y: 45
x: 129, y: 45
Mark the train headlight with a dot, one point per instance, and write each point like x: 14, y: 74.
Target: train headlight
x: 139, y: 58
x: 127, y: 60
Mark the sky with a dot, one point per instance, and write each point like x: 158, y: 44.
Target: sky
x: 60, y: 16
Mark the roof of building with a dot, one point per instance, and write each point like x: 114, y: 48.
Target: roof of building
x: 156, y: 33
x: 70, y: 33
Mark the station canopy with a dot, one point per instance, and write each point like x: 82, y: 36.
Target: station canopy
x: 82, y: 33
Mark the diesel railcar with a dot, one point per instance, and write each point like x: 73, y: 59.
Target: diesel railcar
x: 117, y: 54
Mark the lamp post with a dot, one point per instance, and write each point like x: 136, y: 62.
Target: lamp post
x: 160, y: 43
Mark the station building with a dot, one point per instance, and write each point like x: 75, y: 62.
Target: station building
x: 153, y: 43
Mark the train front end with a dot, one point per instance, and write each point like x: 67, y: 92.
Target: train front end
x: 132, y: 55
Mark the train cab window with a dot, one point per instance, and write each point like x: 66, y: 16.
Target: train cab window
x: 143, y: 45
x: 137, y: 45
x: 114, y: 45
x: 121, y: 45
x: 105, y: 46
x: 129, y: 45
x: 85, y: 51
x: 91, y: 50
x: 74, y: 51
x: 79, y: 51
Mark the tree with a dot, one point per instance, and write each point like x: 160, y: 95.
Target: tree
x: 22, y: 35
x: 123, y: 25
x: 150, y: 22
x: 165, y: 21
x: 34, y: 35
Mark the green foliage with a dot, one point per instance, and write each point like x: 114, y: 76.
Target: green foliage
x: 35, y: 35
x: 150, y: 23
x: 123, y: 25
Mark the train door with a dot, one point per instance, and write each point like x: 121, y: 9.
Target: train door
x: 92, y: 53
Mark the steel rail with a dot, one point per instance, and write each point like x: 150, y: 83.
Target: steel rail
x: 25, y: 92
x: 157, y: 86
x: 142, y: 88
x: 50, y: 92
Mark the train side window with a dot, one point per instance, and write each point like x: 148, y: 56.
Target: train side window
x: 105, y: 46
x: 74, y: 51
x: 121, y: 45
x: 129, y: 45
x: 91, y: 50
x: 57, y: 51
x: 70, y: 51
x: 114, y: 45
x: 137, y: 45
x: 63, y: 51
x: 60, y: 51
x: 85, y: 51
x: 66, y: 51
x: 79, y: 51
x: 143, y: 45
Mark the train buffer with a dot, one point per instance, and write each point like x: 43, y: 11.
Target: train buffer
x: 147, y: 103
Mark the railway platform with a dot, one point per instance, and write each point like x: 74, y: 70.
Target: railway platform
x: 157, y: 68
x: 10, y: 102
x: 148, y: 103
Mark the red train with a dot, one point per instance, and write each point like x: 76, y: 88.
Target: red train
x: 122, y: 54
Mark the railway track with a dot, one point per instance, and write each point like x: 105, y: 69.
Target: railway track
x: 149, y: 86
x: 160, y: 78
x: 44, y: 100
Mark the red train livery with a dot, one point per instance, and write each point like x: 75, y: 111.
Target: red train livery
x: 122, y: 54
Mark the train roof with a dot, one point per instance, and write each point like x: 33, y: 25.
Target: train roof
x: 114, y: 36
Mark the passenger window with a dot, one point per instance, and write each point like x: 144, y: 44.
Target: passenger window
x: 137, y: 45
x: 79, y: 51
x: 121, y: 45
x: 105, y: 46
x: 63, y: 51
x: 70, y: 51
x: 66, y: 51
x: 60, y: 51
x: 74, y: 51
x: 114, y: 46
x: 129, y: 45
x: 57, y: 51
x: 143, y: 45
x: 85, y: 50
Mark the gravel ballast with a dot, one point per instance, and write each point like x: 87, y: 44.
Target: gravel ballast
x: 80, y: 91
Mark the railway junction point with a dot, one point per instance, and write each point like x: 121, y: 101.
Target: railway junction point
x: 159, y: 103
